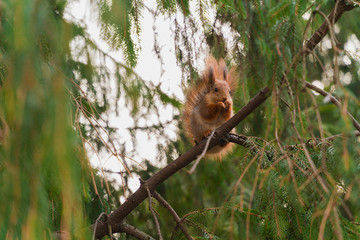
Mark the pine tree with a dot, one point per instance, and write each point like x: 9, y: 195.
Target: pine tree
x: 293, y: 175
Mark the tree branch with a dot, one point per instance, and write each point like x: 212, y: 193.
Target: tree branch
x: 97, y: 221
x: 334, y: 101
x: 202, y: 154
x: 133, y: 231
x: 340, y: 7
x: 154, y: 215
x: 332, y: 138
x: 116, y: 217
x: 175, y: 216
x: 125, y: 228
x: 311, y: 143
x: 239, y: 139
x: 243, y: 141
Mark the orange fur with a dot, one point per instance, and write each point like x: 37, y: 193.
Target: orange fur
x: 209, y: 104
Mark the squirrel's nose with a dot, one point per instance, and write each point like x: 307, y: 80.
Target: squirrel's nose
x: 224, y: 99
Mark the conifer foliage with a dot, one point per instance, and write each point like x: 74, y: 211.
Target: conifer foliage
x: 294, y: 173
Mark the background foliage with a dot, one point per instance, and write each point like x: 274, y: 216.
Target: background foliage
x: 57, y: 96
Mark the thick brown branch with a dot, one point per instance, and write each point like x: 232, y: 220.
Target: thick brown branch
x: 238, y: 139
x: 175, y: 216
x: 341, y: 7
x: 116, y: 217
x: 133, y: 231
x: 125, y: 228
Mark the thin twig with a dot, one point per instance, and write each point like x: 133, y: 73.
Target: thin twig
x: 96, y: 222
x: 331, y: 204
x: 312, y: 143
x: 334, y: 101
x: 331, y: 138
x: 333, y: 44
x: 154, y: 215
x: 202, y: 154
x: 290, y: 163
x: 231, y: 195
x: 248, y: 213
x: 175, y: 216
x: 307, y: 155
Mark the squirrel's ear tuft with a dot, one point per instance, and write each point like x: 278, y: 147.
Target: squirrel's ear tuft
x: 211, y: 69
x: 223, y: 69
x: 225, y: 73
x: 210, y: 75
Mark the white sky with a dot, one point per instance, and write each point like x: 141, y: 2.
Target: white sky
x: 148, y: 68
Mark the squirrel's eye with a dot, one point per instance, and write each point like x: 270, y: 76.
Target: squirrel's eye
x: 215, y: 89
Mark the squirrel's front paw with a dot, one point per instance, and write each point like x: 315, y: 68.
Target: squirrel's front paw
x: 227, y: 104
x: 221, y: 105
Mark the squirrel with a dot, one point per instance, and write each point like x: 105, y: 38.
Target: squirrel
x: 209, y: 104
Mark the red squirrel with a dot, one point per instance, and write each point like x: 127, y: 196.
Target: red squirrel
x: 209, y: 104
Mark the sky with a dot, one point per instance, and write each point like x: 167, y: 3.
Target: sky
x: 148, y: 68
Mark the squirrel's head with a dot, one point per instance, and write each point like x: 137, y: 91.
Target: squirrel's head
x: 220, y: 83
x: 219, y: 91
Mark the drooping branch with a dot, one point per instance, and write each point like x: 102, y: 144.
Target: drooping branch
x: 175, y: 216
x: 311, y: 143
x: 332, y: 138
x: 334, y: 101
x: 115, y: 218
x: 154, y: 214
x: 341, y: 7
